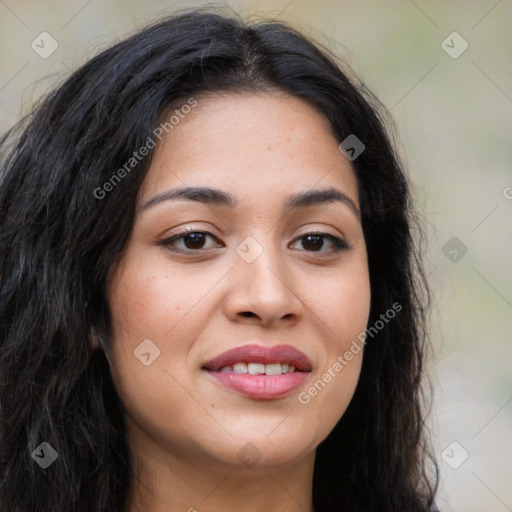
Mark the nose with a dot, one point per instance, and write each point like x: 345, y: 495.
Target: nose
x: 262, y: 293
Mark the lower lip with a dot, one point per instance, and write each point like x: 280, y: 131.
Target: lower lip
x: 263, y: 387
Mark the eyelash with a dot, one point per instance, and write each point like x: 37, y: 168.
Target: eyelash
x: 339, y: 244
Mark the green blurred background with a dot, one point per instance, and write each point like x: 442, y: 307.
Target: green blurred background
x: 454, y: 119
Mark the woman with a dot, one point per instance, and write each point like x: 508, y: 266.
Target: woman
x: 210, y: 294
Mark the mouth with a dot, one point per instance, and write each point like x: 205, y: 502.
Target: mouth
x: 258, y: 360
x: 260, y: 372
x: 259, y: 368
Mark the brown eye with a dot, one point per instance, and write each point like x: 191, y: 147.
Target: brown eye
x: 316, y: 242
x: 188, y: 241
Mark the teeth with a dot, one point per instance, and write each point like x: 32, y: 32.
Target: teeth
x: 259, y: 369
x: 273, y: 369
x: 240, y: 368
x: 255, y: 369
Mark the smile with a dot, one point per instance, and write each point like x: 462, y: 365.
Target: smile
x: 260, y: 372
x: 259, y: 369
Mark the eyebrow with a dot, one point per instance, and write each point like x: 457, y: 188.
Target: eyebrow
x: 212, y: 196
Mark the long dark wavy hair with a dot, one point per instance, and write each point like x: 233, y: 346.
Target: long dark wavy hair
x: 59, y: 242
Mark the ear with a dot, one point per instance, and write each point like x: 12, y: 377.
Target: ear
x: 96, y: 344
x: 94, y: 339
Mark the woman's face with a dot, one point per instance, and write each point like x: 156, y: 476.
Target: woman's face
x: 249, y: 276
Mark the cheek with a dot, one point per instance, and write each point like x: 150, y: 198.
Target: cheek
x: 329, y: 394
x: 343, y: 305
x: 150, y: 298
x: 148, y: 303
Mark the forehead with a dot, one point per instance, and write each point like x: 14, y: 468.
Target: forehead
x: 251, y: 144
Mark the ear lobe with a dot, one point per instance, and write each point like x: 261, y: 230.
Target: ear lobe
x: 96, y: 344
x: 94, y: 339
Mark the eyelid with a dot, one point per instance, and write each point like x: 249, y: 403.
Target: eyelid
x: 326, y: 230
x: 184, y: 232
x: 339, y: 243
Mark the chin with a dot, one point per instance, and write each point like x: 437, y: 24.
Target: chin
x: 263, y: 450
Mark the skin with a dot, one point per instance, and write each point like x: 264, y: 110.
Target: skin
x: 184, y: 429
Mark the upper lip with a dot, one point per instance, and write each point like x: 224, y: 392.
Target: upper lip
x: 261, y: 354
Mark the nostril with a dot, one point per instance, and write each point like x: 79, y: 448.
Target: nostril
x: 247, y: 313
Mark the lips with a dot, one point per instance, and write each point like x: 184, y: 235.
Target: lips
x: 258, y: 354
x: 262, y: 381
